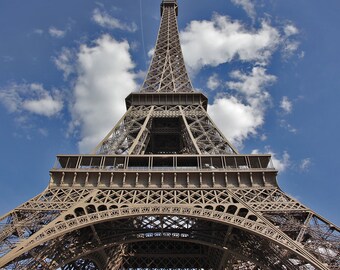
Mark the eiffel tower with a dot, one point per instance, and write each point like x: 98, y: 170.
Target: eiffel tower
x: 166, y: 190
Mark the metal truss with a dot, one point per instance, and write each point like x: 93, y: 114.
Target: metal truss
x: 166, y: 190
x: 90, y: 223
x: 132, y: 134
x: 167, y: 72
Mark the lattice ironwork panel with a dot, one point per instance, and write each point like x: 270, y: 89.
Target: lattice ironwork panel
x: 121, y: 137
x: 167, y: 72
x: 318, y: 236
x: 98, y: 243
x: 267, y: 199
x: 83, y: 264
x: 138, y: 126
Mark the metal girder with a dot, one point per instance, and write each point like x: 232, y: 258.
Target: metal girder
x: 221, y: 206
x: 134, y: 129
x: 167, y: 72
x: 166, y: 190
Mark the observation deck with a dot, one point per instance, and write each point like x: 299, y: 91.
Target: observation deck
x: 163, y: 171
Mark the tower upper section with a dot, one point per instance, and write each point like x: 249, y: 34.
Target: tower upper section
x: 167, y: 117
x: 167, y: 72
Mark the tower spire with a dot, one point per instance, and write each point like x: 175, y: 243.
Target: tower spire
x: 169, y: 3
x: 167, y: 72
x: 167, y: 116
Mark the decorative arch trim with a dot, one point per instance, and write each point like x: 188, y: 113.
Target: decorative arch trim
x: 62, y: 226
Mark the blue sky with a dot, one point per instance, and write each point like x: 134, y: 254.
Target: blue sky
x: 269, y: 68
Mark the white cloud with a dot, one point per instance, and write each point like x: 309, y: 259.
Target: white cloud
x: 46, y: 106
x: 301, y: 54
x: 65, y: 62
x: 282, y: 163
x: 33, y: 98
x: 105, y: 20
x: 247, y: 5
x: 263, y: 137
x: 289, y: 47
x: 211, y: 43
x: 221, y: 40
x: 290, y: 30
x: 236, y: 120
x: 213, y: 82
x: 10, y: 97
x: 284, y: 124
x: 104, y: 79
x: 252, y: 85
x: 38, y: 31
x: 239, y: 117
x: 55, y: 32
x: 286, y: 105
x: 289, y: 44
x: 305, y: 164
x: 151, y: 52
x: 43, y: 131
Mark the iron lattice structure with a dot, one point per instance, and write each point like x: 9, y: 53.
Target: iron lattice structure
x: 166, y: 190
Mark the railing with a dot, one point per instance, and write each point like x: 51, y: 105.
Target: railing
x: 163, y: 162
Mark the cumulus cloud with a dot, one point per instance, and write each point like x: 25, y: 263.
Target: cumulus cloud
x: 32, y: 98
x: 305, y: 164
x: 252, y: 84
x: 284, y: 124
x: 213, y: 82
x: 301, y: 54
x: 65, y: 62
x: 46, y: 106
x: 289, y: 43
x: 247, y: 5
x: 221, y: 40
x: 290, y: 30
x: 236, y: 120
x: 263, y: 137
x: 239, y: 116
x: 289, y: 48
x: 280, y: 163
x: 107, y: 21
x: 55, y: 32
x: 211, y: 43
x: 286, y: 105
x: 104, y: 78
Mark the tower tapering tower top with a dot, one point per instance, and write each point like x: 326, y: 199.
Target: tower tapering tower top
x: 169, y: 3
x: 167, y: 72
x: 167, y: 116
